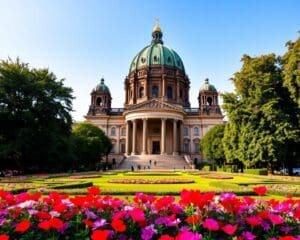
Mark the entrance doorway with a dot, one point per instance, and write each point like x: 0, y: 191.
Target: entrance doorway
x: 155, y: 147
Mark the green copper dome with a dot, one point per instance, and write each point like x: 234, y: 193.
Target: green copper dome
x: 101, y: 87
x: 156, y: 54
x: 207, y: 86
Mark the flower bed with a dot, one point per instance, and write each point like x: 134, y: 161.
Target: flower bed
x: 84, y: 176
x: 196, y: 216
x: 217, y: 177
x: 151, y: 181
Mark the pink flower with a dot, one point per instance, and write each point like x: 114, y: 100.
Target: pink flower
x: 230, y: 229
x: 211, y: 224
x: 187, y: 235
x: 275, y: 219
x: 137, y: 215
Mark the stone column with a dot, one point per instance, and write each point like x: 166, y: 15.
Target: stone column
x: 175, y: 137
x: 134, y: 137
x: 144, y: 136
x: 118, y: 141
x: 181, y: 136
x: 127, y: 139
x: 163, y: 86
x: 163, y: 136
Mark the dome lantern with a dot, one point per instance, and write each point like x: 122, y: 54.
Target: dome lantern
x: 157, y: 33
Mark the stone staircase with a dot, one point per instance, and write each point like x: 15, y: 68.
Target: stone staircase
x: 163, y: 162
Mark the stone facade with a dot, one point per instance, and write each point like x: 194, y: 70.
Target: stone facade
x: 157, y: 117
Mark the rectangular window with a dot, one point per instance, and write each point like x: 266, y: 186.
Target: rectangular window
x: 185, y: 131
x: 196, y: 147
x: 123, y: 131
x: 122, y: 147
x: 113, y: 149
x: 186, y: 147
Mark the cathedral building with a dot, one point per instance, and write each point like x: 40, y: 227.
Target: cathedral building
x: 156, y: 117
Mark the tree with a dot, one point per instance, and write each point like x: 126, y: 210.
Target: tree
x: 211, y: 145
x: 263, y: 124
x: 91, y: 144
x: 291, y: 70
x: 35, y: 118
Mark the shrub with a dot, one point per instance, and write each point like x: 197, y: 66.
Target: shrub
x: 256, y: 171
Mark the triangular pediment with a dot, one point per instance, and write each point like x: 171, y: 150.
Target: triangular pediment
x: 154, y: 104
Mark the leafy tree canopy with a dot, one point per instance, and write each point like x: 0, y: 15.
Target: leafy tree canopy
x: 35, y: 117
x: 263, y: 119
x: 91, y: 144
x: 211, y: 145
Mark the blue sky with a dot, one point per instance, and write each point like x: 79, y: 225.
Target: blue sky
x: 82, y: 41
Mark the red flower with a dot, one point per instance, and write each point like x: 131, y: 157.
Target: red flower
x: 230, y: 229
x: 56, y: 223
x: 118, y: 225
x: 287, y: 238
x: 88, y: 223
x: 60, y: 208
x: 22, y: 226
x: 45, y: 225
x: 260, y: 190
x: 166, y: 237
x: 196, y: 198
x: 253, y: 220
x: 4, y: 237
x: 94, y: 191
x: 193, y: 219
x: 211, y: 224
x: 100, y: 235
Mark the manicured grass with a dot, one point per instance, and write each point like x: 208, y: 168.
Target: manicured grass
x: 241, y: 184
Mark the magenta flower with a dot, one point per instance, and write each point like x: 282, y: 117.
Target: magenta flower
x: 187, y: 235
x: 211, y: 224
x: 148, y: 232
x: 248, y: 235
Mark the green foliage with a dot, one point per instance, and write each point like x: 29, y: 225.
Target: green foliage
x: 263, y: 120
x: 35, y: 118
x: 291, y: 70
x: 91, y: 144
x: 211, y: 145
x: 256, y: 171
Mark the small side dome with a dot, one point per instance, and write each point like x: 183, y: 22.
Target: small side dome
x: 207, y: 86
x: 101, y: 87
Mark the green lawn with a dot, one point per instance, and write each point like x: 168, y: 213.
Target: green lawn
x: 241, y: 184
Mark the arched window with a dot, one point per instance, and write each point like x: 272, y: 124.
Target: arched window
x: 154, y: 91
x: 99, y: 101
x: 169, y: 92
x: 180, y: 93
x: 209, y: 101
x: 113, y: 131
x: 196, y: 131
x: 141, y: 92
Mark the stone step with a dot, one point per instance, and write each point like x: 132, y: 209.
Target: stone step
x: 162, y: 162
